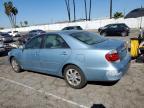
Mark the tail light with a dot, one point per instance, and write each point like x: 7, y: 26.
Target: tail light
x: 112, y: 56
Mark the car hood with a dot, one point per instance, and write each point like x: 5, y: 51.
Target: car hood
x: 110, y: 44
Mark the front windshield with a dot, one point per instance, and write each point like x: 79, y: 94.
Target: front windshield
x: 88, y: 37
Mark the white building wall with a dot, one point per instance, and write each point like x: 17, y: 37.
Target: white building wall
x: 95, y: 24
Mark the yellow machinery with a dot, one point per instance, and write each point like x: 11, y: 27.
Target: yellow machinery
x: 134, y: 43
x: 137, y: 46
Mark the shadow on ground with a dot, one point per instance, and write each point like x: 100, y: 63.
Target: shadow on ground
x: 102, y: 83
x: 98, y: 106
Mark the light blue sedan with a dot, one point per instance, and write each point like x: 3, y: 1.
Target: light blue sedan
x: 78, y: 56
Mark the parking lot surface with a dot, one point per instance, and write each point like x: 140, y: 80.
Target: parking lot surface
x: 35, y: 90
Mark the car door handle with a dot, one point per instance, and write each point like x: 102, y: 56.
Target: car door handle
x: 36, y: 53
x: 64, y: 53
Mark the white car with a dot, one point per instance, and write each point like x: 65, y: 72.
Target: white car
x: 14, y: 33
x: 2, y: 47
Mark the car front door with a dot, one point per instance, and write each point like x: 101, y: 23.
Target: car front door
x: 30, y: 56
x: 113, y: 30
x: 54, y: 53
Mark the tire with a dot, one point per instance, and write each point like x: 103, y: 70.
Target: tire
x: 74, y: 77
x: 15, y: 65
x: 123, y: 34
x: 103, y: 33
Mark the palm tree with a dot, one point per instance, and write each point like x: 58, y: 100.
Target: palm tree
x: 118, y: 15
x: 8, y: 8
x: 90, y: 10
x: 74, y: 10
x: 14, y: 12
x: 68, y: 9
x: 11, y: 12
x: 85, y: 3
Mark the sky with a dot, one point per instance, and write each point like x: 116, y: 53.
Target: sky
x: 50, y: 11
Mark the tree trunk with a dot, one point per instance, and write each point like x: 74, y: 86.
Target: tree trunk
x: 90, y: 10
x: 68, y: 9
x: 85, y: 9
x: 74, y: 10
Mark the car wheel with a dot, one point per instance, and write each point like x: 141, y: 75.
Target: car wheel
x: 16, y: 67
x: 123, y: 34
x: 104, y: 34
x: 74, y: 77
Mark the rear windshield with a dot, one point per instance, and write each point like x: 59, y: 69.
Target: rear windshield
x: 88, y: 37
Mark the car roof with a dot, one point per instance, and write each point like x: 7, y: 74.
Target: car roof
x: 72, y: 26
x: 66, y: 32
x: 117, y: 24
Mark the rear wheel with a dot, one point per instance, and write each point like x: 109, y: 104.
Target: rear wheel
x: 123, y: 34
x: 74, y: 77
x: 104, y: 34
x: 15, y: 65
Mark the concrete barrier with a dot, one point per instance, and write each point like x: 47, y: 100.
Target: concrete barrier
x: 94, y: 24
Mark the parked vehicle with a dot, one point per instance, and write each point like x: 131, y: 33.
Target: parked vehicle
x: 73, y: 28
x: 14, y: 33
x: 2, y: 48
x: 78, y: 56
x: 5, y: 37
x: 118, y: 29
x: 36, y: 32
x: 31, y: 34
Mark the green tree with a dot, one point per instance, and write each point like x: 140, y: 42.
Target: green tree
x: 11, y: 12
x: 26, y: 23
x: 118, y: 15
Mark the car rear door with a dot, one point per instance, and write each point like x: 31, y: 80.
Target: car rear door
x: 30, y: 57
x: 54, y: 53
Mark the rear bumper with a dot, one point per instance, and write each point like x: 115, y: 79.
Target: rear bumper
x: 119, y: 70
x: 113, y: 72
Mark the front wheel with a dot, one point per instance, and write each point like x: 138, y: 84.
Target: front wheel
x: 74, y: 77
x: 15, y: 65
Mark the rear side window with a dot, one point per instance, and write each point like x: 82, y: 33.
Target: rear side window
x: 54, y: 41
x: 88, y: 37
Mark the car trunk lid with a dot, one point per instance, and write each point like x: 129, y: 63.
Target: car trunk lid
x: 113, y: 44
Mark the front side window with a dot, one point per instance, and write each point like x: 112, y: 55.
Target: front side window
x: 54, y: 41
x: 34, y: 43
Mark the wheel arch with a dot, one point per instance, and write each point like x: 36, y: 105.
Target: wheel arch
x: 80, y: 67
x: 10, y: 58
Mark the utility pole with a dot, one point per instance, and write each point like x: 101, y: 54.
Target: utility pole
x: 110, y: 9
